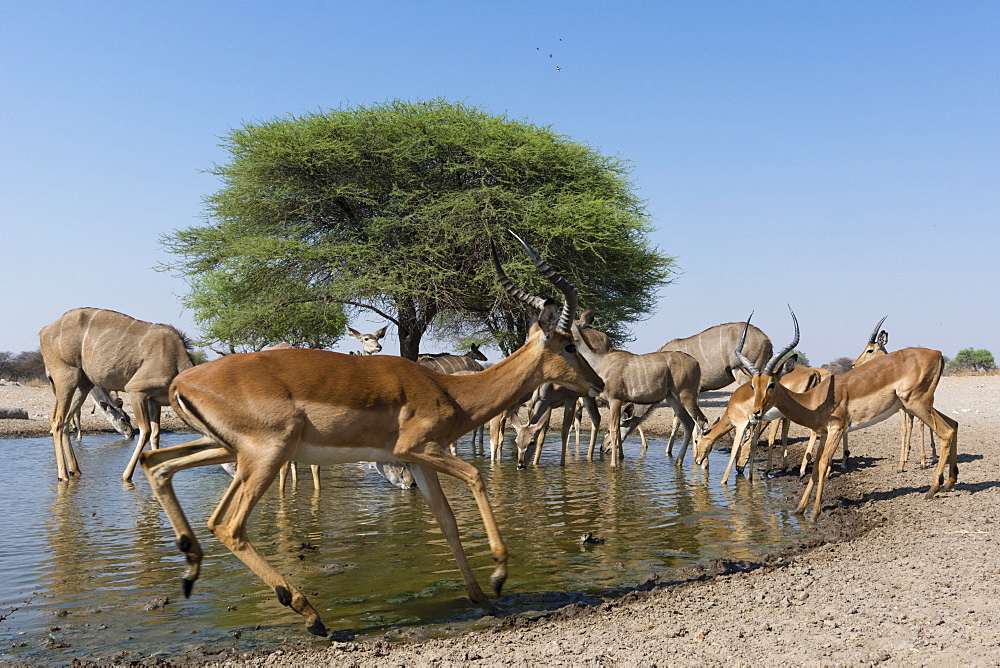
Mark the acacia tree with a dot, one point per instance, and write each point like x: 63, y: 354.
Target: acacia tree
x: 975, y: 359
x: 392, y: 209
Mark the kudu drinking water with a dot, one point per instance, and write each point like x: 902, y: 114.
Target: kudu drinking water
x: 89, y: 347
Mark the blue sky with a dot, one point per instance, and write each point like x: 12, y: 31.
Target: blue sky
x: 840, y: 157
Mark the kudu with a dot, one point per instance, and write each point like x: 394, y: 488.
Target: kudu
x: 112, y: 408
x: 88, y: 347
x: 874, y: 348
x: 669, y: 376
x: 262, y: 409
x: 713, y: 348
x: 856, y: 399
x: 449, y: 363
x: 369, y: 342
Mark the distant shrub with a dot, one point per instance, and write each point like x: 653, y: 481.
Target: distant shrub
x: 839, y: 365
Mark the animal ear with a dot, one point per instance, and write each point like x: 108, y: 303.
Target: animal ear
x: 380, y: 333
x: 355, y: 333
x: 883, y: 338
x: 587, y: 317
x: 548, y: 318
x: 789, y: 364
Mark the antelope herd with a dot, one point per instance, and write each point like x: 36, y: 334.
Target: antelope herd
x: 258, y: 412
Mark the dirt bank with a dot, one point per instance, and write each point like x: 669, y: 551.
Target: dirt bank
x: 905, y: 581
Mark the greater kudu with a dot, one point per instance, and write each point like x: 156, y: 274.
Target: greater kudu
x: 713, y: 348
x: 89, y: 346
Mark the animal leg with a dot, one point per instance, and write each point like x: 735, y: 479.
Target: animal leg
x: 737, y: 442
x: 433, y: 460
x: 143, y: 415
x: 229, y: 524
x: 821, y: 470
x: 160, y: 467
x: 946, y: 429
x: 905, y: 432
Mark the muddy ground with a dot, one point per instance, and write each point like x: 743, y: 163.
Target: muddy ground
x: 887, y: 577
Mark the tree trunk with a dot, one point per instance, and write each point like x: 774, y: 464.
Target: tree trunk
x: 413, y: 321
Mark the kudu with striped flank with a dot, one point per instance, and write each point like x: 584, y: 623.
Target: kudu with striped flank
x: 720, y: 367
x: 856, y: 399
x: 875, y: 348
x: 669, y: 376
x: 88, y: 347
x: 262, y: 409
x: 450, y: 363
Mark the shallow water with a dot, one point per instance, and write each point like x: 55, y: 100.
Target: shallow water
x: 85, y: 566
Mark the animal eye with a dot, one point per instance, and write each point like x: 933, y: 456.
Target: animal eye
x: 571, y: 348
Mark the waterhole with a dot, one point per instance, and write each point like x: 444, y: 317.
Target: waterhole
x: 89, y: 569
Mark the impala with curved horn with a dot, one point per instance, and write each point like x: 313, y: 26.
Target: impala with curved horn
x: 905, y: 379
x: 319, y: 407
x: 874, y: 348
x: 531, y: 432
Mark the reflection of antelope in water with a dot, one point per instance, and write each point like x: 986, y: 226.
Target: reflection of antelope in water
x: 874, y: 348
x: 88, y: 347
x: 713, y: 348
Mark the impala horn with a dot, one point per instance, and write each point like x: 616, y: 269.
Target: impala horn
x: 769, y: 369
x: 747, y: 364
x: 513, y: 290
x: 556, y: 279
x: 874, y: 335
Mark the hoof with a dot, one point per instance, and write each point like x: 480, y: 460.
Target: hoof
x: 317, y: 629
x: 496, y: 583
x: 186, y: 586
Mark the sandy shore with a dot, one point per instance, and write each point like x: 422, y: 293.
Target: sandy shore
x: 886, y: 577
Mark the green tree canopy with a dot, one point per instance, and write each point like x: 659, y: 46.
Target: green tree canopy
x: 391, y: 209
x: 975, y: 359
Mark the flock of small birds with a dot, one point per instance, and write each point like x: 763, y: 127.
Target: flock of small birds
x: 538, y: 48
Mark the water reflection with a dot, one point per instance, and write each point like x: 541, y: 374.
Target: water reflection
x: 96, y: 561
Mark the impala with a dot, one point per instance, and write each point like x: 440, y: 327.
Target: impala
x: 538, y: 405
x: 875, y: 348
x: 738, y: 416
x: 89, y: 347
x: 263, y: 409
x: 856, y: 399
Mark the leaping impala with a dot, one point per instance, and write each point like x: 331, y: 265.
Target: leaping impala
x: 262, y: 409
x: 856, y: 399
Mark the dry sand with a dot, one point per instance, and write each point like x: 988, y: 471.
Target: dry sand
x: 886, y: 578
